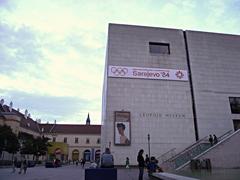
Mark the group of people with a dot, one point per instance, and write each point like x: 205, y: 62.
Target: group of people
x: 213, y: 139
x: 82, y: 162
x: 23, y: 166
x: 150, y: 163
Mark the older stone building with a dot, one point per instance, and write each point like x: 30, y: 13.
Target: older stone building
x: 69, y: 141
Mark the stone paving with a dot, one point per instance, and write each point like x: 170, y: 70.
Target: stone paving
x: 69, y: 172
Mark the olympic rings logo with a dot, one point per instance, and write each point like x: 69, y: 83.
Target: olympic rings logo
x: 119, y: 71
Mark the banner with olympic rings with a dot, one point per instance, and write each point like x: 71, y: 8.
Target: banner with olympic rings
x: 147, y: 73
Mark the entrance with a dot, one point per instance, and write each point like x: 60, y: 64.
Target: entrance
x: 236, y: 124
x: 75, y: 155
x: 87, y: 155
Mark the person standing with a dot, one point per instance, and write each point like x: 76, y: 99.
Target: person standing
x: 210, y: 139
x: 215, y: 139
x: 141, y: 164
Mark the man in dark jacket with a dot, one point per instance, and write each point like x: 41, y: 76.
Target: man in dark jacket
x: 141, y: 164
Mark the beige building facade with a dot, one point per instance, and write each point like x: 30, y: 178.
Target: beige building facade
x: 69, y: 141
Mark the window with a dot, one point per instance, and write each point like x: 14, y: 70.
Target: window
x: 87, y: 141
x: 65, y: 140
x: 159, y: 48
x: 236, y: 124
x: 54, y: 139
x: 235, y: 104
x: 76, y: 140
x: 98, y: 141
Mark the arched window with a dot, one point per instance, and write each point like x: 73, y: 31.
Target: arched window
x: 75, y: 155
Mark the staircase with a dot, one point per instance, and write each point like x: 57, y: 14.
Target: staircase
x: 177, y: 161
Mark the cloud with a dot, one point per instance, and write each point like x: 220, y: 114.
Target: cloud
x: 55, y: 50
x: 18, y: 48
x: 49, y: 108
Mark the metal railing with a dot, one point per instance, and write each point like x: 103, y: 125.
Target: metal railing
x: 167, y: 155
x: 190, y: 152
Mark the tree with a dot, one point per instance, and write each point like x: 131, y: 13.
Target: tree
x: 40, y: 146
x: 8, y: 140
x: 33, y: 145
x: 27, y: 141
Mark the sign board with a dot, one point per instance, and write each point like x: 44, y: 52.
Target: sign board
x: 122, y: 128
x: 147, y: 73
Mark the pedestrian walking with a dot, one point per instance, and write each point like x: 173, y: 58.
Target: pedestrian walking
x: 25, y: 165
x: 21, y: 167
x: 127, y: 162
x: 141, y: 164
x: 210, y: 139
x: 14, y: 165
x: 83, y: 162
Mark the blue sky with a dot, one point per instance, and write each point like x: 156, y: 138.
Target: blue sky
x: 52, y: 52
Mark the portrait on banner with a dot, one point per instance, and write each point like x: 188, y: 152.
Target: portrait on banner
x: 122, y: 128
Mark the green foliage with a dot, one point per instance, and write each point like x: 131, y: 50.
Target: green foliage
x: 27, y: 141
x: 8, y: 140
x: 31, y: 145
x: 40, y: 146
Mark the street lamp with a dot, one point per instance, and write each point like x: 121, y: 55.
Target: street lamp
x: 148, y: 137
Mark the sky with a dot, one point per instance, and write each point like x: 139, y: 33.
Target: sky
x: 52, y: 52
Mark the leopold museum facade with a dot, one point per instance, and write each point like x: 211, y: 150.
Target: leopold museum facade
x: 167, y: 88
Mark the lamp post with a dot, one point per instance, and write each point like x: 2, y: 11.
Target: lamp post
x: 148, y: 137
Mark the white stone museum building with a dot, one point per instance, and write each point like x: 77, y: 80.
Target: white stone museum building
x: 175, y: 86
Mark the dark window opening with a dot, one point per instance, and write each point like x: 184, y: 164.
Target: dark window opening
x: 76, y: 140
x: 159, y: 48
x: 65, y: 140
x: 98, y: 141
x: 235, y: 104
x: 87, y: 141
x: 236, y: 124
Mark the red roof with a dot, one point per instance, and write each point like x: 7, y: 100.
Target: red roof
x: 71, y: 128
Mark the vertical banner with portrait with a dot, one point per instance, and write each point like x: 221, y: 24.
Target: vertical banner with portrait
x: 122, y: 128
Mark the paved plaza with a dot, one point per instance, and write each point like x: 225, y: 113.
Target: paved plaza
x: 69, y: 172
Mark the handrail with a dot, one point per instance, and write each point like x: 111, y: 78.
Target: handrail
x: 191, y: 151
x: 221, y: 140
x: 186, y: 149
x: 164, y: 157
x: 221, y: 137
x: 166, y: 153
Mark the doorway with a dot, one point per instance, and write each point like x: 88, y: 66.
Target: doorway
x: 87, y: 155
